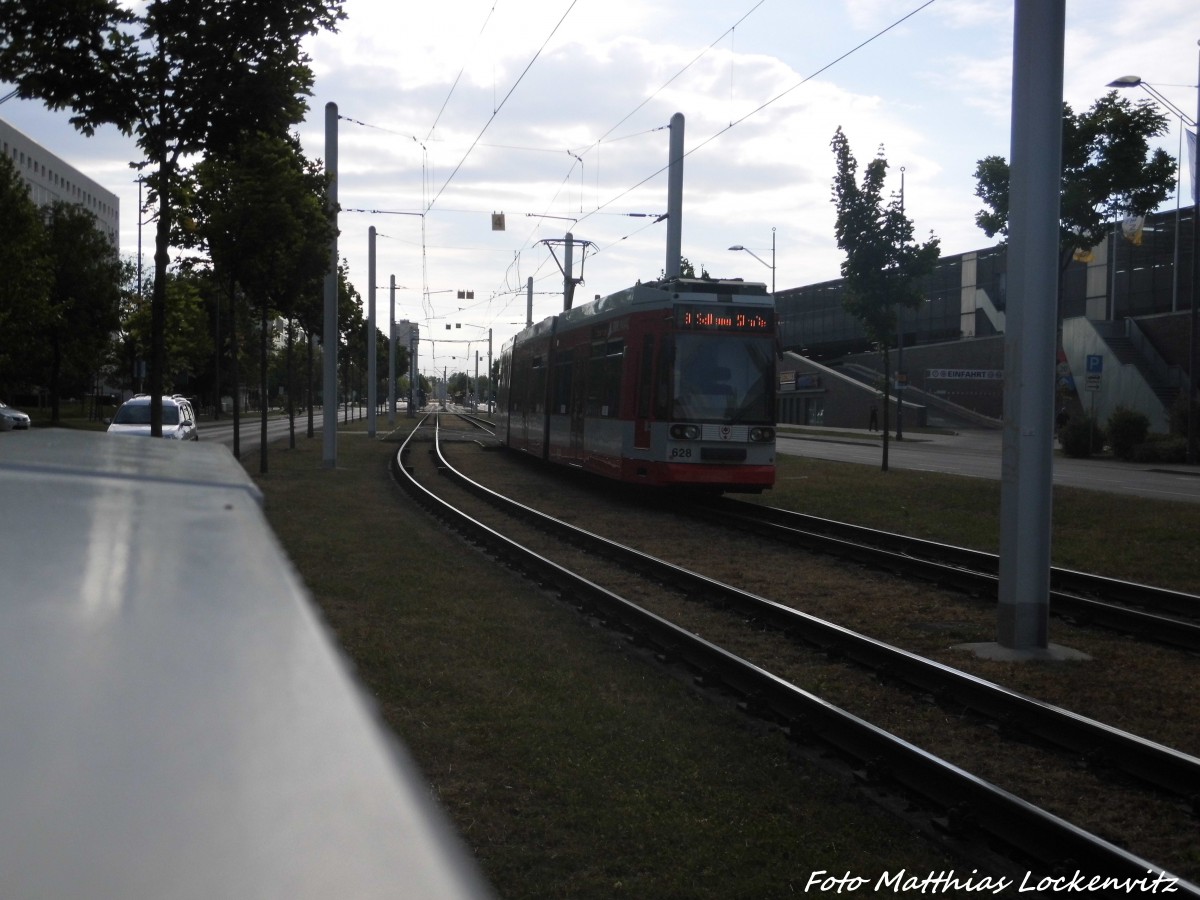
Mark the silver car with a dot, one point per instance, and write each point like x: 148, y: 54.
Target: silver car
x: 11, y: 419
x: 178, y: 418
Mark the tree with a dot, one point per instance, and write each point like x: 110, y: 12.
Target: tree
x: 883, y: 263
x: 352, y: 327
x: 276, y: 201
x: 186, y: 77
x: 83, y: 306
x: 1108, y: 173
x: 686, y: 270
x: 188, y: 343
x: 24, y: 275
x: 262, y: 215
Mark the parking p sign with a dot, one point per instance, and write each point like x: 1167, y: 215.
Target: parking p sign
x: 1095, y: 368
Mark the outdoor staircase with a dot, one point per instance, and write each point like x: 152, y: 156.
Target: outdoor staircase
x: 1128, y: 354
x: 871, y: 377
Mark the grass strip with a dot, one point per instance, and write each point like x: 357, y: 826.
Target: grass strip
x: 570, y: 765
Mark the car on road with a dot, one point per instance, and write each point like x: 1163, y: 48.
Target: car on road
x: 12, y: 419
x: 178, y: 418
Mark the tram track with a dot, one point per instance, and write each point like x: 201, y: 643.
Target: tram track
x: 960, y: 798
x: 1151, y: 613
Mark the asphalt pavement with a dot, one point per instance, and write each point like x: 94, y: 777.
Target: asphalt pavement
x: 978, y: 453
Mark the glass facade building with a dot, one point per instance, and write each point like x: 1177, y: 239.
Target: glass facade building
x: 965, y: 296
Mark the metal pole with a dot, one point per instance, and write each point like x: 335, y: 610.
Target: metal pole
x: 675, y: 198
x: 392, y: 352
x: 568, y: 269
x: 772, y: 262
x: 329, y: 334
x: 372, y: 386
x: 490, y: 388
x: 1030, y: 338
x: 1191, y: 384
x: 528, y: 301
x: 900, y: 381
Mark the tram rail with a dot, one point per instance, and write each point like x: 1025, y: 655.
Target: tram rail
x: 1034, y: 833
x: 1157, y: 614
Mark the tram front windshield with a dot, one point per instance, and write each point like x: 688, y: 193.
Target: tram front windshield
x: 723, y: 378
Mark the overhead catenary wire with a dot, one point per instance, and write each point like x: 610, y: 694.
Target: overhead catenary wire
x: 758, y: 109
x: 512, y: 291
x: 458, y: 77
x: 500, y: 106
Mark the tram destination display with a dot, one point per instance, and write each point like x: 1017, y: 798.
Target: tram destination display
x: 726, y: 318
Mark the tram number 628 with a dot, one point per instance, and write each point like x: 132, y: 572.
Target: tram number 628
x: 681, y: 453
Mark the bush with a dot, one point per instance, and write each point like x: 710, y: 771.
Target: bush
x: 1081, y: 438
x: 1161, y: 448
x: 1127, y: 429
x: 1179, y: 419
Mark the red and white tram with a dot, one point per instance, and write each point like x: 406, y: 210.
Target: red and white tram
x: 668, y: 383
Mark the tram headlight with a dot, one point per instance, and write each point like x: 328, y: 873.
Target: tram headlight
x: 685, y: 432
x: 762, y: 434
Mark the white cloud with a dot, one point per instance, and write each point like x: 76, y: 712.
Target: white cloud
x: 582, y: 136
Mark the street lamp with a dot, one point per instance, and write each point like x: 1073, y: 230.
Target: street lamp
x: 1135, y: 81
x: 770, y: 265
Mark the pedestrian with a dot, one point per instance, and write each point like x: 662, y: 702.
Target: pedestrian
x: 874, y: 425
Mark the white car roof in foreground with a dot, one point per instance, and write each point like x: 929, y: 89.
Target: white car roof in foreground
x: 177, y: 720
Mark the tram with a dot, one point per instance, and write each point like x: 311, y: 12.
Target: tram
x: 668, y: 383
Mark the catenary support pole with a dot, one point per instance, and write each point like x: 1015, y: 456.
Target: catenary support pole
x: 1031, y: 334
x: 392, y: 351
x: 372, y: 363
x: 1192, y: 317
x: 675, y: 198
x: 568, y: 271
x: 329, y: 332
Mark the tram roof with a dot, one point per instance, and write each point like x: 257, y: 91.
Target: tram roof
x: 649, y: 294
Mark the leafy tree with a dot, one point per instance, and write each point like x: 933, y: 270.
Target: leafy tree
x: 686, y: 270
x: 262, y: 215
x: 1108, y: 173
x: 352, y: 328
x: 24, y: 276
x: 188, y: 344
x: 186, y: 77
x: 883, y: 263
x: 84, y: 302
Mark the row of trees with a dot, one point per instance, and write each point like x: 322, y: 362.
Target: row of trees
x: 60, y: 293
x: 219, y: 82
x: 75, y: 320
x: 211, y: 91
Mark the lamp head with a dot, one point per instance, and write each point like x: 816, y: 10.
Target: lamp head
x: 1126, y: 81
x: 737, y: 247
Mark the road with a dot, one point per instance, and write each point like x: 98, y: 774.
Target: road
x: 978, y: 454
x: 221, y: 432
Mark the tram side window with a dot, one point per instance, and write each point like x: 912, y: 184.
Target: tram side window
x: 560, y: 402
x: 645, y: 377
x: 537, y: 385
x: 520, y: 385
x: 604, y: 378
x: 662, y: 380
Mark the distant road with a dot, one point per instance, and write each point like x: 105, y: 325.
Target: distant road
x: 221, y: 432
x: 978, y: 454
x: 249, y: 431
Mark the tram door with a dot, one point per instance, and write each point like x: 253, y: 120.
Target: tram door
x: 645, y: 388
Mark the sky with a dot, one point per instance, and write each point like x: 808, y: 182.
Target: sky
x: 555, y: 113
